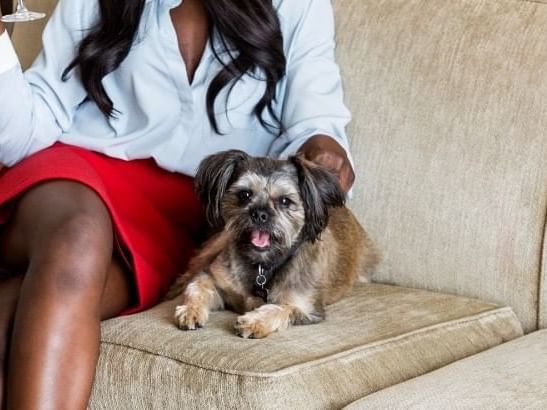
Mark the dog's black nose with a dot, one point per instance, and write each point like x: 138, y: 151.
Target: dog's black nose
x: 259, y: 216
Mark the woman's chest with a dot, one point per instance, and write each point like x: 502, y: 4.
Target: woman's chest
x: 192, y: 26
x: 156, y: 80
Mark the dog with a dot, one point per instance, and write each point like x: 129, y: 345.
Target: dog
x: 285, y: 245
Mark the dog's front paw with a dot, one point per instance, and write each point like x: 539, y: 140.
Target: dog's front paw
x: 251, y: 328
x: 190, y: 317
x: 261, y: 322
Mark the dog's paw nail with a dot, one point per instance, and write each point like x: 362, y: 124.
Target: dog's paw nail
x: 190, y: 318
x: 250, y: 328
x: 244, y: 334
x: 241, y: 331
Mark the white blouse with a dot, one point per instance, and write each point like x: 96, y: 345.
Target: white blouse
x: 161, y: 115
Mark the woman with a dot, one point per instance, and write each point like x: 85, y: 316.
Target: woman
x: 100, y: 139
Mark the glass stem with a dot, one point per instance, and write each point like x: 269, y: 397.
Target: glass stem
x: 20, y: 7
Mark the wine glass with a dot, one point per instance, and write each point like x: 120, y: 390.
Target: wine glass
x: 22, y: 14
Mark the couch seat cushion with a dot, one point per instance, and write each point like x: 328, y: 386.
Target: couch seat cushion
x: 510, y: 376
x: 378, y: 336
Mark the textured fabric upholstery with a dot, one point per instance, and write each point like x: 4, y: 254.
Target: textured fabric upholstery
x: 379, y: 336
x: 542, y: 308
x: 450, y: 118
x: 511, y: 376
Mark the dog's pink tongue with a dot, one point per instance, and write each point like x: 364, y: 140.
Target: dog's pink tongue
x: 260, y: 239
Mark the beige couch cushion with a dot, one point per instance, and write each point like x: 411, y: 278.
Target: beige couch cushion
x: 511, y: 376
x: 450, y: 135
x: 379, y: 336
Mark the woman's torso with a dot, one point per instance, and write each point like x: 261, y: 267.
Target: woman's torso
x: 163, y: 115
x: 159, y: 113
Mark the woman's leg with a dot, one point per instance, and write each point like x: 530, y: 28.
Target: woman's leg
x: 63, y: 231
x: 9, y: 293
x: 111, y: 304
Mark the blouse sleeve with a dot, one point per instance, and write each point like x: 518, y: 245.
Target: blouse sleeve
x: 312, y: 101
x: 37, y: 106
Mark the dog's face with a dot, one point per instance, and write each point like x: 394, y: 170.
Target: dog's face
x: 264, y: 210
x: 269, y: 206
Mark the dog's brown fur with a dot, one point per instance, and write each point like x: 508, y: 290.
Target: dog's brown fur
x: 329, y: 248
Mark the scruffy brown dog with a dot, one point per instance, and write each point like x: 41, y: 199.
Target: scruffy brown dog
x: 286, y: 246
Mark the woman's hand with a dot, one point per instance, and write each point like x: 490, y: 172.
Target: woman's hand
x: 325, y: 151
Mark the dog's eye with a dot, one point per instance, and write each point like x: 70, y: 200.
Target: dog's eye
x: 285, y: 201
x: 244, y: 196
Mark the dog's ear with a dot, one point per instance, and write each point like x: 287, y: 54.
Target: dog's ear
x: 319, y: 190
x: 215, y: 174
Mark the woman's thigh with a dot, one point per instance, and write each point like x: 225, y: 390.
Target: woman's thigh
x: 73, y: 210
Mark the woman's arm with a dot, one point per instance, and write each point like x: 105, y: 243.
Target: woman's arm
x: 312, y: 109
x: 37, y: 106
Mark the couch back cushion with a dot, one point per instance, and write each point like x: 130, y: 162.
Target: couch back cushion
x: 450, y: 116
x: 450, y: 139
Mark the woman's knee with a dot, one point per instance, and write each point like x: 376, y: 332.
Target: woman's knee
x: 78, y: 233
x: 68, y: 232
x: 76, y: 252
x: 50, y: 205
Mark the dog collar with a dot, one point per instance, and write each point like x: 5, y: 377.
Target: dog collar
x: 261, y: 280
x: 265, y: 275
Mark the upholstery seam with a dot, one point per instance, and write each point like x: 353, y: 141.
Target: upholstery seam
x: 541, y: 274
x: 494, y: 312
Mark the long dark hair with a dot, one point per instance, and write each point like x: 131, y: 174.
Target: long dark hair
x: 249, y: 27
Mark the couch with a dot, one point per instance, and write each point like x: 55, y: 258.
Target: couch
x: 449, y: 136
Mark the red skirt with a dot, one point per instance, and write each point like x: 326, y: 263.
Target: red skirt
x: 156, y: 213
